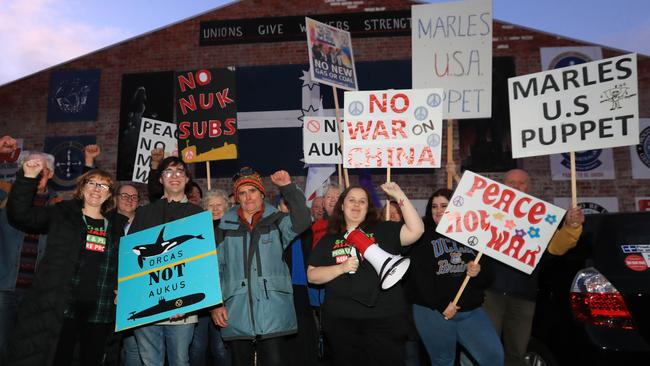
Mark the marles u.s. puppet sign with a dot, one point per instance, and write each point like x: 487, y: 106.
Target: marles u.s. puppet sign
x: 167, y: 270
x: 508, y: 225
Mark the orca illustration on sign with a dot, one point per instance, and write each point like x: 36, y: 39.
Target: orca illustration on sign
x: 161, y: 246
x: 166, y: 305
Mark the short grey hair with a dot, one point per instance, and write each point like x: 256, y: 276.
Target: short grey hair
x: 213, y: 193
x: 29, y: 155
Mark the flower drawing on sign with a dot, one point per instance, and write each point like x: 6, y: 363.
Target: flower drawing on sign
x: 533, y: 232
x: 551, y: 219
x: 498, y: 216
x: 510, y: 224
x: 520, y: 233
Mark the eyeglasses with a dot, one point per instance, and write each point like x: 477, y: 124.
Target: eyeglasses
x: 168, y: 173
x: 129, y: 197
x: 100, y: 186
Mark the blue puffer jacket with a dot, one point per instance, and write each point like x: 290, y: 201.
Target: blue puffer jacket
x: 255, y: 280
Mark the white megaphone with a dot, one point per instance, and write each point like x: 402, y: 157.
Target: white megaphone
x: 390, y: 268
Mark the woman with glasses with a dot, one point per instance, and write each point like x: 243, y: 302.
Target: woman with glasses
x: 71, y: 299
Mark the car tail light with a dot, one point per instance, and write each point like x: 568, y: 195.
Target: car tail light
x: 594, y: 300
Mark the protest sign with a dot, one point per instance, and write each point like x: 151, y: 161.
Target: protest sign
x: 640, y: 154
x: 392, y: 128
x: 452, y: 50
x: 9, y: 163
x: 206, y: 114
x: 590, y: 164
x: 154, y: 134
x: 508, y: 225
x: 591, y: 205
x: 582, y: 107
x: 167, y: 270
x: 330, y: 55
x: 320, y: 141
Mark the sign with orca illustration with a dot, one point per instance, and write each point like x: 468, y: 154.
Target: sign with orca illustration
x: 167, y: 270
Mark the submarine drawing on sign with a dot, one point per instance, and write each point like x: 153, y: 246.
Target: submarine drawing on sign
x: 167, y: 305
x: 161, y: 246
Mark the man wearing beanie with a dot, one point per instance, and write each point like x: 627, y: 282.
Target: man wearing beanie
x: 258, y: 309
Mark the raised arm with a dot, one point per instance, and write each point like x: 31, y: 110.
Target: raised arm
x: 298, y: 211
x: 20, y: 211
x: 413, y: 226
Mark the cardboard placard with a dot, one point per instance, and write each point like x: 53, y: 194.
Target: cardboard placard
x: 154, y: 134
x: 320, y: 140
x: 452, y: 50
x: 508, y: 225
x: 330, y: 55
x: 583, y: 107
x: 167, y: 270
x: 206, y: 114
x: 392, y: 128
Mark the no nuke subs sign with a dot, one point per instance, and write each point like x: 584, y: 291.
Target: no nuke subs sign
x: 167, y: 270
x: 392, y: 128
x: 588, y: 106
x: 508, y: 225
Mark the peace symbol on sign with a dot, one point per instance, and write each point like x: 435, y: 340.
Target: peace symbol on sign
x: 420, y: 113
x: 355, y: 108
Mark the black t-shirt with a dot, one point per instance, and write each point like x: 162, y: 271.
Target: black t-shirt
x: 360, y: 295
x: 438, y: 268
x: 92, y: 255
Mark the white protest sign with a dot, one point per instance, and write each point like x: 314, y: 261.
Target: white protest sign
x: 392, y: 128
x: 330, y: 55
x: 154, y: 134
x: 320, y: 141
x: 587, y: 106
x: 452, y: 49
x: 508, y: 225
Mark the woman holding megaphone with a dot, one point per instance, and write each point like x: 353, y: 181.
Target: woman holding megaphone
x: 364, y: 314
x: 438, y: 267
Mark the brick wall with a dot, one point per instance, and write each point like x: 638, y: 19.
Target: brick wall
x: 24, y: 102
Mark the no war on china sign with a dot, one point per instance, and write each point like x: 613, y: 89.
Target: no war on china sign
x: 583, y: 107
x: 393, y: 128
x: 508, y: 225
x: 167, y: 270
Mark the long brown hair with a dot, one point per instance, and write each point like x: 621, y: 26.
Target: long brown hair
x: 86, y: 177
x: 336, y: 223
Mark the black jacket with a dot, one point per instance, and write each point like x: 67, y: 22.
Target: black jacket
x: 40, y: 314
x: 161, y: 212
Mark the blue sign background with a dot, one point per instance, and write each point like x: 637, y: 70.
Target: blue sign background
x: 183, y: 279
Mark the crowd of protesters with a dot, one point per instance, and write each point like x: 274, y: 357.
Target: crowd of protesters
x: 317, y: 302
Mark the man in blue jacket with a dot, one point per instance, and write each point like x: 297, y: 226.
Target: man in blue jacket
x: 258, y: 309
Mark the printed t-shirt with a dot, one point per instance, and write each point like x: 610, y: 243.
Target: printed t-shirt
x: 92, y: 255
x: 360, y: 295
